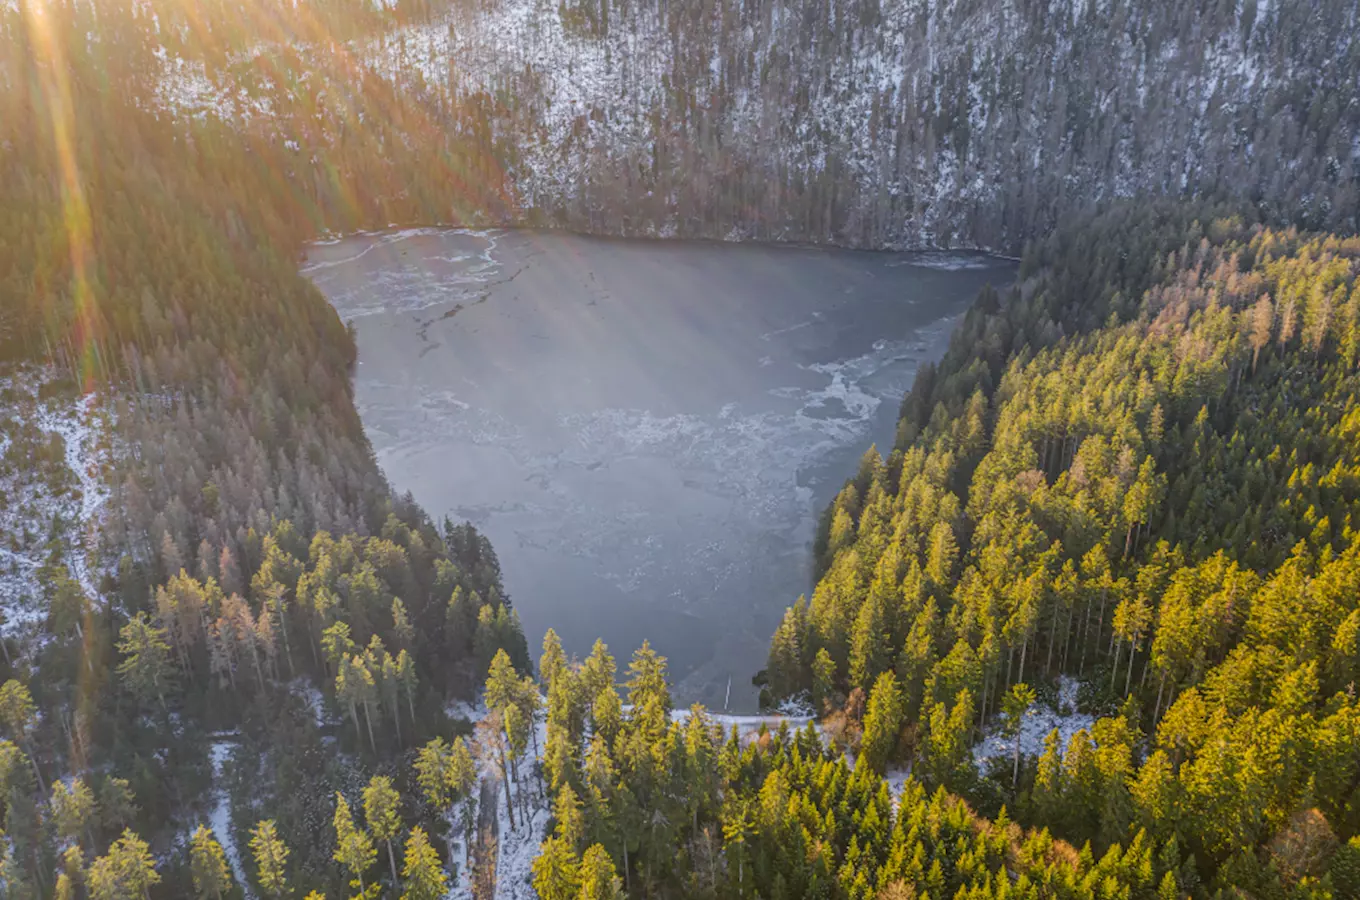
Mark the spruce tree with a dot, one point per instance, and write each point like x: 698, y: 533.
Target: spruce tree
x: 271, y: 859
x: 353, y: 848
x: 382, y: 811
x: 208, y: 865
x: 422, y: 876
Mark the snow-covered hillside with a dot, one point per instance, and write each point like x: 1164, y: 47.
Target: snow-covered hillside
x: 53, y: 450
x: 893, y: 123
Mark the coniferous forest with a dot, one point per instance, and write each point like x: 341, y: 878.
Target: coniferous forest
x: 1136, y: 470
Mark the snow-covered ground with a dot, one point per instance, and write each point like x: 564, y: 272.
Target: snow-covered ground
x: 517, y: 847
x: 220, y: 821
x: 310, y: 695
x: 515, y: 857
x: 47, y: 501
x: 748, y: 726
x: 897, y: 778
x: 1042, y: 719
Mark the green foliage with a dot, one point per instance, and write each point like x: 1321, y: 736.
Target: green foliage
x: 783, y: 815
x: 1140, y: 470
x: 422, y: 876
x: 146, y: 659
x: 208, y: 864
x: 556, y: 874
x: 126, y: 872
x: 271, y: 859
x: 72, y: 808
x: 382, y: 811
x: 882, y: 722
x: 599, y: 879
x: 16, y: 710
x: 353, y: 847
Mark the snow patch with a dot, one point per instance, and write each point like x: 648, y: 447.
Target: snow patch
x: 1037, y: 725
x: 897, y: 778
x: 47, y: 502
x: 947, y: 262
x: 747, y: 725
x: 312, y: 697
x: 220, y: 821
x: 515, y: 855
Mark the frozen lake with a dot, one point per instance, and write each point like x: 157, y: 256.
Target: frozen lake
x: 645, y: 430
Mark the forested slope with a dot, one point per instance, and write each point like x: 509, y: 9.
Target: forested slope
x: 866, y: 122
x: 1163, y: 506
x: 271, y: 624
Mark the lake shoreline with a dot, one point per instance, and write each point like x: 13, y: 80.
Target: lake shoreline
x: 333, y: 237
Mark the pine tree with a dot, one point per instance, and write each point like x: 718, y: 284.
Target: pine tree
x: 882, y: 722
x: 553, y: 660
x: 1015, y: 706
x: 117, y: 806
x: 784, y: 665
x: 72, y: 809
x: 502, y: 683
x: 406, y: 678
x: 424, y: 878
x: 737, y: 828
x: 516, y: 738
x: 146, y: 659
x: 599, y: 879
x: 823, y: 679
x: 382, y: 811
x: 598, y: 671
x: 401, y: 624
x: 271, y: 859
x: 337, y: 643
x: 353, y: 848
x: 18, y: 715
x: 208, y: 865
x: 570, y: 822
x: 868, y: 645
x: 433, y: 774
x: 462, y: 775
x: 126, y: 872
x: 556, y: 871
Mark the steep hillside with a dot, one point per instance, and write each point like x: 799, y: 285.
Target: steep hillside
x: 864, y: 122
x: 1163, y: 508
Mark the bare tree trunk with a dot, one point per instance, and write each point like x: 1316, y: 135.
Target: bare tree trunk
x: 1100, y: 620
x: 505, y: 777
x: 1157, y: 710
x: 1015, y: 772
x: 368, y: 720
x: 1067, y: 636
x: 1085, y: 638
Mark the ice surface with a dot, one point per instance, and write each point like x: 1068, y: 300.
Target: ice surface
x: 646, y: 431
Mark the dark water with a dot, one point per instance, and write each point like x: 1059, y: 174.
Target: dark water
x: 646, y: 431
